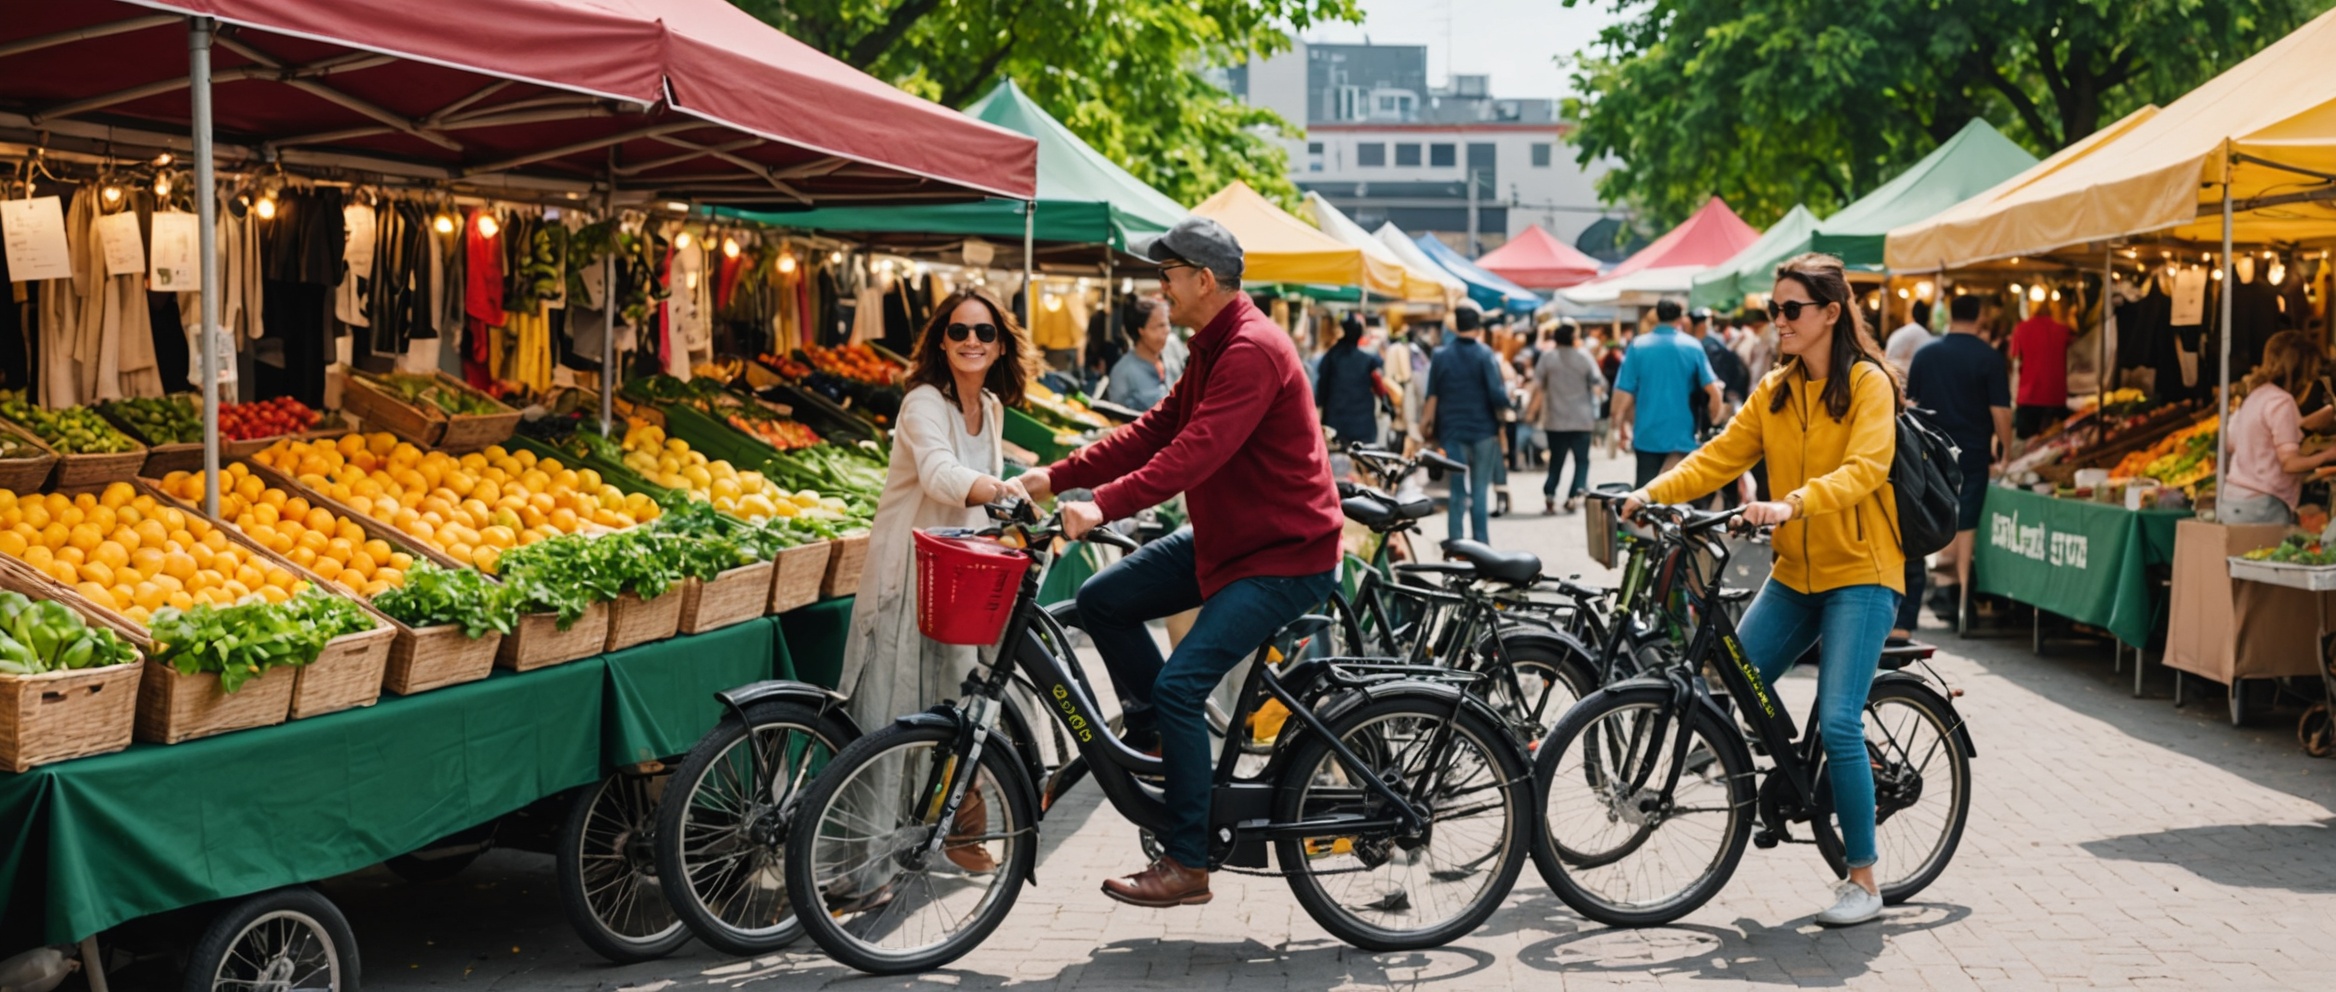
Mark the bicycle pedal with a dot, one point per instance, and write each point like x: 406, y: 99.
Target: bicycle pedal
x: 1764, y: 840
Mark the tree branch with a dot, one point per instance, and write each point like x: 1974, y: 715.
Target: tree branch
x: 2018, y: 98
x: 866, y: 49
x: 973, y: 84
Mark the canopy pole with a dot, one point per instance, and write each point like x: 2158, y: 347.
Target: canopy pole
x: 608, y: 305
x: 1110, y: 298
x: 199, y: 34
x: 1029, y: 259
x: 2101, y: 377
x: 2222, y: 430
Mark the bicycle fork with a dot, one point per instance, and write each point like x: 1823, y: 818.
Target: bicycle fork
x: 954, y: 778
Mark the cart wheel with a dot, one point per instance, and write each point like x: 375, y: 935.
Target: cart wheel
x: 288, y: 938
x: 608, y: 870
x: 2317, y: 732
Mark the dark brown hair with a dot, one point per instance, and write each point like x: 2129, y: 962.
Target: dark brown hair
x: 1009, y: 376
x: 1821, y: 276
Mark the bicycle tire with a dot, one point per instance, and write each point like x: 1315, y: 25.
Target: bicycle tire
x: 1509, y: 772
x: 1720, y: 741
x: 1940, y: 718
x: 607, y: 876
x: 1005, y: 784
x: 756, y: 921
x: 1555, y: 667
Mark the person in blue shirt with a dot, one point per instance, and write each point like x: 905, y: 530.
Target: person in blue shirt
x: 1465, y: 397
x: 1662, y: 369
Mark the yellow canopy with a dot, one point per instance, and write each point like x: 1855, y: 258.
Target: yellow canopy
x: 2262, y: 121
x: 1278, y: 247
x: 1418, y: 286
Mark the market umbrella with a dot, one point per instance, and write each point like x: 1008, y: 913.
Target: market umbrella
x: 1751, y: 270
x: 1279, y: 247
x: 1536, y: 258
x: 1489, y: 291
x: 1668, y: 265
x: 1426, y: 284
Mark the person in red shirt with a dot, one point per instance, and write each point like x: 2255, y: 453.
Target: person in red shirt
x: 2040, y: 357
x: 1238, y: 436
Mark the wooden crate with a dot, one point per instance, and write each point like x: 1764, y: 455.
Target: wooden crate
x: 83, y: 471
x: 25, y: 475
x: 230, y: 451
x: 425, y: 658
x: 844, y: 566
x: 735, y: 596
x: 346, y: 674
x: 173, y: 707
x: 796, y: 574
x: 161, y: 459
x: 633, y: 620
x: 538, y: 642
x: 58, y: 715
x: 363, y: 399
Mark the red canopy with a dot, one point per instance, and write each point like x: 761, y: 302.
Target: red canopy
x: 1714, y: 235
x: 700, y: 101
x: 1535, y: 259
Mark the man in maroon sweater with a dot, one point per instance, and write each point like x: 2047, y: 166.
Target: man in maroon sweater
x: 1238, y: 436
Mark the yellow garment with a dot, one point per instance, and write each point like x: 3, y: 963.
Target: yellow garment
x: 1055, y: 328
x: 531, y: 364
x: 1847, y: 533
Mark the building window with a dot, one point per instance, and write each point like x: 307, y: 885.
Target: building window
x: 1541, y: 154
x: 1371, y: 154
x: 1407, y: 155
x: 1314, y: 156
x: 1443, y: 156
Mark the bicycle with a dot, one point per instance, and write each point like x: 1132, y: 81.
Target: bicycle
x: 1398, y: 808
x: 1649, y: 787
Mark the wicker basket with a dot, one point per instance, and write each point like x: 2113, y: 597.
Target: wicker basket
x: 426, y: 658
x: 60, y: 715
x: 796, y: 574
x: 538, y: 641
x: 844, y: 567
x: 735, y: 596
x: 633, y: 620
x: 345, y: 675
x: 238, y: 450
x: 174, y: 707
x: 24, y: 475
x: 361, y: 399
x: 79, y: 471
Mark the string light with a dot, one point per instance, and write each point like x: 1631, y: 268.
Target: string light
x: 1925, y: 289
x: 163, y: 160
x: 113, y: 194
x: 2278, y: 272
x: 2016, y: 289
x: 835, y: 257
x: 786, y: 262
x: 266, y: 207
x: 692, y: 281
x: 2218, y: 273
x: 729, y: 247
x: 488, y: 226
x: 162, y: 185
x: 1053, y: 303
x: 681, y: 241
x: 1905, y: 294
x: 2036, y: 293
x: 2055, y: 296
x: 444, y: 224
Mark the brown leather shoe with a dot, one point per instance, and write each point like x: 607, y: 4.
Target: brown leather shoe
x: 972, y: 820
x: 1160, y: 886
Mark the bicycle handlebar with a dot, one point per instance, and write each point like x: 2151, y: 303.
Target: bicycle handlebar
x: 1023, y: 514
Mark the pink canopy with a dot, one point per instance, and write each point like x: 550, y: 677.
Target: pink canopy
x: 1535, y: 259
x: 1714, y: 235
x: 698, y: 100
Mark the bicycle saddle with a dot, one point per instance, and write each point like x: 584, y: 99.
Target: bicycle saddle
x: 1368, y: 512
x: 1513, y: 567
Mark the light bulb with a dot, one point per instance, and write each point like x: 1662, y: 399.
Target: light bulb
x: 1053, y: 303
x: 729, y: 247
x: 163, y: 160
x: 2015, y: 259
x: 2218, y: 274
x: 2278, y: 272
x: 488, y: 226
x: 691, y: 282
x: 2036, y: 294
x: 266, y: 208
x: 1925, y: 289
x: 2016, y: 290
x: 162, y: 185
x: 2055, y: 296
x: 681, y: 241
x: 1905, y: 294
x: 835, y: 257
x: 113, y: 194
x: 787, y: 261
x: 444, y: 224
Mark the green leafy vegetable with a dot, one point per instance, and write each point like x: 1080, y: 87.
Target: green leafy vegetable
x: 240, y: 642
x: 47, y: 637
x: 432, y: 596
x: 562, y: 575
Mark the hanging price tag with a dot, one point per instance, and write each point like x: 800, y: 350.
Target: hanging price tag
x: 34, y: 231
x: 177, y: 247
x: 124, y: 248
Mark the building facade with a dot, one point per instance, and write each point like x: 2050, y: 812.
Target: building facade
x: 1384, y: 145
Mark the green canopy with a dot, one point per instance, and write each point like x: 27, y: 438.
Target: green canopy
x: 1725, y: 285
x: 1083, y: 197
x: 1973, y: 161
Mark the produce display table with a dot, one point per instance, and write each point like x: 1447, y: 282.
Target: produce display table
x: 2079, y: 559
x: 91, y: 843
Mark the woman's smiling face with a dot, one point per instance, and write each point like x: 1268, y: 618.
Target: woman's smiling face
x: 973, y: 356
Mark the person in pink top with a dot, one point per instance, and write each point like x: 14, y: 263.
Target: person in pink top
x: 2268, y: 465
x: 2040, y: 359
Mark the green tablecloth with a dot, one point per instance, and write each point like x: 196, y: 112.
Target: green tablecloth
x: 2079, y: 559
x: 91, y: 843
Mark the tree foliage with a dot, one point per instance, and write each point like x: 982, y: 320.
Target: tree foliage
x: 1125, y: 75
x: 1769, y: 103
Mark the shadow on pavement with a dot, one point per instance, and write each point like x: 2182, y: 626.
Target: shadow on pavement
x: 2291, y: 857
x: 1796, y: 953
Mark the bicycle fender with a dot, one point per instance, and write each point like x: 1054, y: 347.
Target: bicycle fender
x: 942, y: 717
x: 1539, y: 637
x: 1401, y: 688
x: 827, y: 701
x: 1962, y: 730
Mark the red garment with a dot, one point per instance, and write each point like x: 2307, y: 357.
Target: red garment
x: 482, y: 296
x: 1239, y: 437
x: 2040, y: 345
x: 727, y: 283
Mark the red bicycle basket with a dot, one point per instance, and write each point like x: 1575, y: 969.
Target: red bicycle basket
x: 966, y: 587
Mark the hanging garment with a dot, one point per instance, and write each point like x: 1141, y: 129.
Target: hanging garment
x: 113, y: 342
x: 483, y: 301
x: 353, y: 296
x: 531, y: 349
x: 60, y: 321
x: 17, y: 331
x: 691, y: 306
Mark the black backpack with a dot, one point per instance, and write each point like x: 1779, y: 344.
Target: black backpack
x: 1927, y: 476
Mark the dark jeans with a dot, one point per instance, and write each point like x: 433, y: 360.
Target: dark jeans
x: 1650, y: 465
x: 1561, y: 445
x: 1171, y: 696
x: 2029, y: 421
x: 1910, y: 605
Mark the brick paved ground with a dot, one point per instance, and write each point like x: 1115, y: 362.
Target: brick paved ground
x: 2113, y: 843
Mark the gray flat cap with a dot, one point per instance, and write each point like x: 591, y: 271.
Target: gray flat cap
x: 1198, y: 240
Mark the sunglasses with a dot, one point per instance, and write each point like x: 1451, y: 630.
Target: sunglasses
x: 1168, y: 267
x: 987, y: 333
x: 1789, y: 309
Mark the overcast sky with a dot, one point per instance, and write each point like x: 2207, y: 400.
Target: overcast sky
x: 1513, y: 41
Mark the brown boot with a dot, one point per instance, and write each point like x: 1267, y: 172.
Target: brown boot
x: 1160, y: 886
x: 972, y: 820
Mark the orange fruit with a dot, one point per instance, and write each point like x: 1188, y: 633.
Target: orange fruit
x: 325, y: 568
x: 110, y: 554
x: 179, y: 600
x: 98, y: 572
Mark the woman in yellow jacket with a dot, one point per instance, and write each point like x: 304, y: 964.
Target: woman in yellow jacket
x: 1825, y: 420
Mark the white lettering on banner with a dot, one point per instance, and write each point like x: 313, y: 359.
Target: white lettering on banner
x: 2037, y: 542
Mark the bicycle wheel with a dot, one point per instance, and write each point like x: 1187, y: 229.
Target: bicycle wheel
x: 1922, y: 788
x: 1550, y: 680
x: 860, y: 869
x: 721, y: 831
x: 608, y: 871
x: 1386, y: 891
x: 1612, y: 844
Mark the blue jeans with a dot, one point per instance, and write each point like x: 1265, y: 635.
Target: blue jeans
x: 1170, y: 696
x: 1483, y: 459
x: 1848, y: 626
x: 1561, y: 445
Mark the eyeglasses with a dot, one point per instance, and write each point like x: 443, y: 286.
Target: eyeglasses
x: 1790, y: 309
x: 985, y: 332
x: 1167, y: 267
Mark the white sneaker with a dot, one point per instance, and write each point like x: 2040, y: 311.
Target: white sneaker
x: 1852, y: 905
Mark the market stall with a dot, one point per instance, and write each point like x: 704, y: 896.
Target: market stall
x: 1428, y: 284
x: 1279, y: 248
x: 1752, y: 271
x: 2081, y: 559
x: 1536, y: 259
x: 1668, y: 265
x: 1491, y: 292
